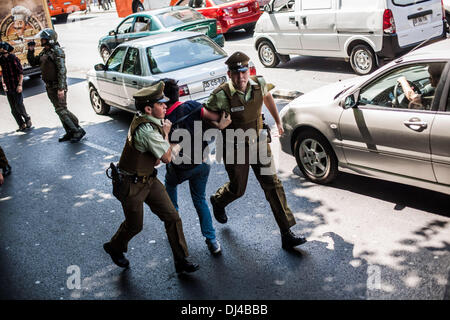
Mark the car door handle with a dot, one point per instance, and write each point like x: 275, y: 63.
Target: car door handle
x: 303, y: 20
x: 292, y: 20
x: 134, y: 82
x: 416, y: 124
x: 114, y: 78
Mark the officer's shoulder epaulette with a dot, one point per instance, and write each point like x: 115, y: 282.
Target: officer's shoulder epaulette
x: 58, y: 51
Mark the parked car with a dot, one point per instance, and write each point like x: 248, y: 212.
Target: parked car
x: 193, y: 59
x: 362, y: 31
x: 367, y: 125
x: 156, y: 21
x: 230, y: 14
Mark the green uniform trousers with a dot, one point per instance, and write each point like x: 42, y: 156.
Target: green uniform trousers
x: 3, y: 160
x: 273, y: 189
x: 68, y: 119
x: 155, y: 196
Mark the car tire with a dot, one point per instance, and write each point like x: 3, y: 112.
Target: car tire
x: 362, y: 59
x: 62, y: 18
x: 250, y: 29
x: 315, y: 157
x: 99, y: 106
x: 268, y: 55
x: 105, y: 53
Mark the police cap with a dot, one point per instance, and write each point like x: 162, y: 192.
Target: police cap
x: 151, y: 94
x: 238, y: 61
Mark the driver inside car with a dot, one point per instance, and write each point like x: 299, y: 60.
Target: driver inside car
x: 417, y: 100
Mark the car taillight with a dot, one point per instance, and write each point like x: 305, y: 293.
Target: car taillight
x: 222, y: 12
x: 252, y: 68
x: 256, y: 6
x: 183, y: 90
x: 388, y: 22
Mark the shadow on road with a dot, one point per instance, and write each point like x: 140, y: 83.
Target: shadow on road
x: 400, y: 195
x: 57, y: 210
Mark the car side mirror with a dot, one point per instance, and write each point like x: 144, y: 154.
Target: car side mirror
x: 100, y: 67
x: 112, y: 33
x: 350, y: 101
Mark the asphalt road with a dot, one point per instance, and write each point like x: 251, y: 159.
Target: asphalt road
x: 368, y: 239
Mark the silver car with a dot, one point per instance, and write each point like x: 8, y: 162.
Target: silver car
x: 369, y: 126
x: 189, y: 57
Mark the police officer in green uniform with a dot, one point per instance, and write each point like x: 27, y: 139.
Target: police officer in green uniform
x: 4, y: 166
x: 146, y: 145
x: 242, y: 97
x: 52, y: 63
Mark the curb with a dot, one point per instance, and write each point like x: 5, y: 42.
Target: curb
x: 286, y: 94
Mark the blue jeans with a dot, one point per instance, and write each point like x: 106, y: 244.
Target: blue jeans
x: 198, y: 177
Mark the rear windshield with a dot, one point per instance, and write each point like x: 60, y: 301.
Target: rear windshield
x: 173, y: 18
x: 182, y: 54
x: 405, y: 3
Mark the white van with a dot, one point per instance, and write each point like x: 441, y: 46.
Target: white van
x: 362, y: 31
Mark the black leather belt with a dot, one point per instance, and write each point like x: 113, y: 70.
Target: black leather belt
x: 142, y: 179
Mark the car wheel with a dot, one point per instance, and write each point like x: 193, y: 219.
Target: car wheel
x: 315, y: 157
x: 267, y: 54
x: 105, y: 53
x: 62, y: 18
x: 362, y: 59
x: 99, y: 106
x: 250, y: 29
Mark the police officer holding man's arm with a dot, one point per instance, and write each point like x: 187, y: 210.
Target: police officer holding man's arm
x: 242, y: 97
x: 53, y: 67
x: 147, y: 143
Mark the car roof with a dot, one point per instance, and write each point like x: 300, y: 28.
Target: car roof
x: 160, y: 38
x: 437, y: 50
x: 159, y: 11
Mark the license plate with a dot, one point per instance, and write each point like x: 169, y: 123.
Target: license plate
x: 420, y: 20
x: 244, y: 9
x: 66, y: 3
x: 214, y: 83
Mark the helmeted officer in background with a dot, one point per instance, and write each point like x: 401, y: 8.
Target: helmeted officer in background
x: 52, y: 63
x: 242, y: 97
x: 147, y: 143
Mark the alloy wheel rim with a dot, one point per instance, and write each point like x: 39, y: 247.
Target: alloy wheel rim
x: 267, y: 54
x: 96, y: 103
x: 314, y: 158
x: 362, y: 60
x: 105, y: 54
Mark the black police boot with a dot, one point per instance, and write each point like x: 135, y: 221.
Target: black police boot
x: 78, y: 135
x: 7, y: 170
x: 290, y: 240
x: 65, y: 137
x: 117, y: 257
x: 28, y: 123
x: 186, y: 266
x: 219, y: 211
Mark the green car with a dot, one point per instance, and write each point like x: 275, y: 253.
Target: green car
x: 146, y: 23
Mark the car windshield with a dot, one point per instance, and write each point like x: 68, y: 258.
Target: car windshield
x: 183, y: 53
x: 174, y: 18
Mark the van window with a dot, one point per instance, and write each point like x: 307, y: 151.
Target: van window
x: 316, y: 4
x: 404, y: 3
x: 283, y: 5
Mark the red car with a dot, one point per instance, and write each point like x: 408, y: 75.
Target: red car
x: 230, y: 14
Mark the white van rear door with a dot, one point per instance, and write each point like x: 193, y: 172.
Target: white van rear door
x: 416, y: 20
